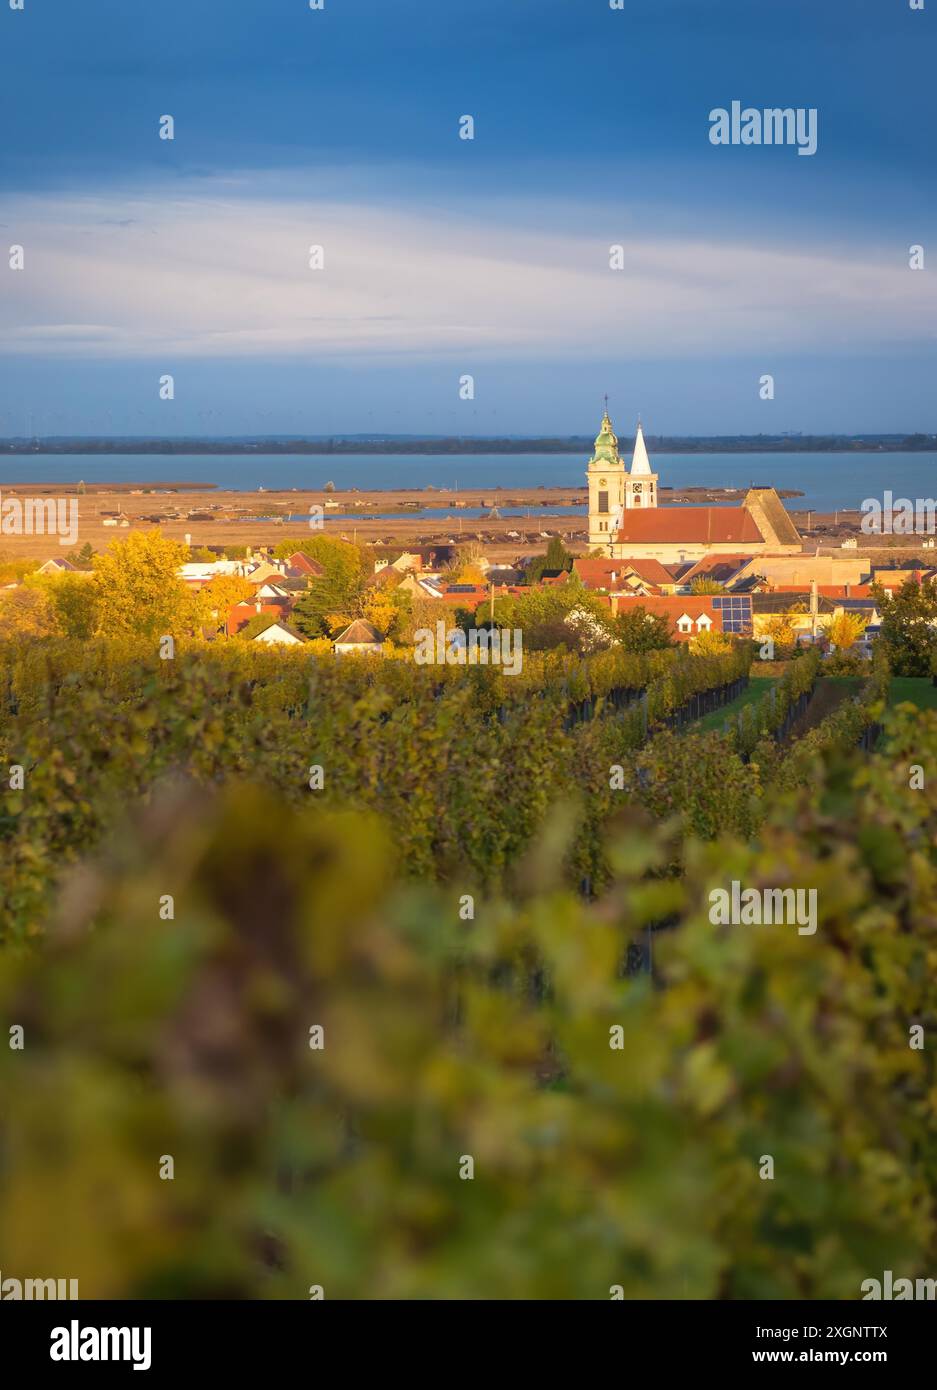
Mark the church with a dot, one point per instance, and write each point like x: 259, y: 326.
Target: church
x: 627, y: 522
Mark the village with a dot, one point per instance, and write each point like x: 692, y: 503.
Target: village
x: 702, y: 573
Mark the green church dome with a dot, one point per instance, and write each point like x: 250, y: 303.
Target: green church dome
x: 607, y: 439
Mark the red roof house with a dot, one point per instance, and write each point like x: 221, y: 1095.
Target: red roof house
x: 241, y: 613
x: 688, y: 614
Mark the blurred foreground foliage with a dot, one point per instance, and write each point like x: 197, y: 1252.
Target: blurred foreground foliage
x: 594, y: 1166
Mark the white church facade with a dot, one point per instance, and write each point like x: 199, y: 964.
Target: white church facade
x: 626, y: 520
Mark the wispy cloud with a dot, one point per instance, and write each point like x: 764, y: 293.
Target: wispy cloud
x: 217, y: 274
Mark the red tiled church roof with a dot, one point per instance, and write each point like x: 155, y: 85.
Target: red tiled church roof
x: 694, y: 525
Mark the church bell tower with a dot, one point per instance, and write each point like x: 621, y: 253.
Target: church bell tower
x: 606, y: 477
x: 641, y: 489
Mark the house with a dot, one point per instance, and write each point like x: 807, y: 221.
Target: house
x: 807, y: 611
x: 691, y: 614
x: 240, y: 614
x: 264, y: 571
x: 58, y: 566
x: 300, y: 564
x: 407, y: 561
x: 271, y: 590
x: 833, y: 591
x: 804, y: 569
x: 721, y: 569
x: 196, y: 574
x: 279, y: 634
x: 892, y: 580
x: 359, y: 637
x: 611, y: 576
x: 389, y: 578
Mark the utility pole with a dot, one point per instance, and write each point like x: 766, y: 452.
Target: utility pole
x: 491, y: 610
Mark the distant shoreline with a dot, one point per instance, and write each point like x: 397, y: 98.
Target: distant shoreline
x: 458, y: 446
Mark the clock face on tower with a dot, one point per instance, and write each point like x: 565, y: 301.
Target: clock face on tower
x: 635, y: 487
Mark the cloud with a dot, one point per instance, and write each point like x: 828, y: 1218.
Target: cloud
x: 216, y: 273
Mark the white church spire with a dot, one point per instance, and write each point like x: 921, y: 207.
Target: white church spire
x: 641, y: 487
x: 640, y: 462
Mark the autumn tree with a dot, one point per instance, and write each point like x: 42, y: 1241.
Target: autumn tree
x: 138, y: 587
x: 380, y: 607
x: 845, y: 630
x: 12, y: 569
x: 710, y: 643
x: 219, y: 595
x: 779, y: 628
x: 26, y: 611
x: 421, y: 613
x: 74, y: 602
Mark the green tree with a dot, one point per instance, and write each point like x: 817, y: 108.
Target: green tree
x: 559, y: 615
x: 339, y: 590
x: 85, y: 556
x: 557, y: 556
x: 640, y: 631
x: 909, y: 627
x: 706, y: 586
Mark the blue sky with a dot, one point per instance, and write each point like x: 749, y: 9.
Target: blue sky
x: 446, y: 257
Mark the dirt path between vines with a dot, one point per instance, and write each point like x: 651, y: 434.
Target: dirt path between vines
x: 827, y: 696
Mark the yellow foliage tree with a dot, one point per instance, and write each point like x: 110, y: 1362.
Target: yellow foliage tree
x: 26, y: 612
x: 845, y: 630
x: 378, y: 609
x: 470, y: 574
x: 711, y: 644
x: 780, y: 627
x: 219, y: 596
x: 74, y: 602
x: 337, y: 622
x: 138, y: 587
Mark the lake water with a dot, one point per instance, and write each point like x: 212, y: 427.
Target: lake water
x: 827, y: 480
